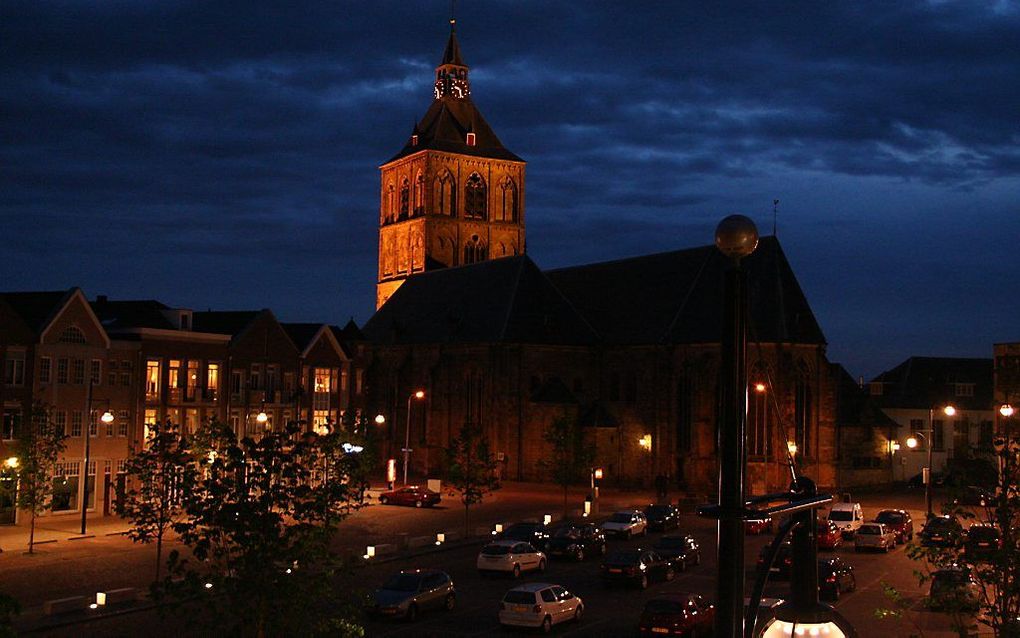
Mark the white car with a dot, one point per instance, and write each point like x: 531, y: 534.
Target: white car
x: 874, y: 536
x: 510, y: 556
x: 539, y: 605
x: 626, y: 524
x: 848, y: 518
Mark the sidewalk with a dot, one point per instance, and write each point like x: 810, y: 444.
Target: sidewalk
x: 60, y: 529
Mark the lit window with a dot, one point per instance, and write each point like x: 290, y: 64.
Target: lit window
x: 471, y: 139
x: 212, y: 381
x: 191, y: 387
x: 152, y: 379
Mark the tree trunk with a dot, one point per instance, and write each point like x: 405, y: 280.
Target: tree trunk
x: 159, y: 555
x: 466, y: 510
x: 31, y: 535
x: 566, y: 488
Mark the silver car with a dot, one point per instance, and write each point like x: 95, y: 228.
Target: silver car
x: 874, y: 536
x: 410, y: 592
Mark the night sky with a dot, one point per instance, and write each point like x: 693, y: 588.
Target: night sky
x: 225, y: 155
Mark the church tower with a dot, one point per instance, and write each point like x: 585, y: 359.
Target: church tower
x: 454, y: 194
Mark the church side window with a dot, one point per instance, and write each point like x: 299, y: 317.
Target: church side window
x: 419, y: 195
x: 444, y: 200
x: 759, y: 426
x: 405, y: 199
x: 475, y: 197
x: 474, y: 250
x: 802, y: 412
x: 509, y: 212
x: 391, y: 205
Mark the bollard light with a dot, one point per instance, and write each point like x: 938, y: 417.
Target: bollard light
x: 100, y: 598
x: 440, y: 538
x: 370, y: 552
x: 547, y: 519
x: 587, y: 507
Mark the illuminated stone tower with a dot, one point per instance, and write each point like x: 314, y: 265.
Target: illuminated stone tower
x: 454, y: 194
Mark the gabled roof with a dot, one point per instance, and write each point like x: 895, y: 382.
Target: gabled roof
x: 38, y: 309
x: 225, y: 322
x: 302, y: 334
x: 445, y: 127
x: 924, y: 382
x: 146, y: 313
x: 504, y: 300
x: 854, y: 406
x: 677, y: 297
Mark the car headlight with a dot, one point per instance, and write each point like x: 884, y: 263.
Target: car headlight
x: 643, y: 567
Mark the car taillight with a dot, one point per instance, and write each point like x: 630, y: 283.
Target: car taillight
x: 786, y: 561
x: 537, y: 609
x: 830, y: 579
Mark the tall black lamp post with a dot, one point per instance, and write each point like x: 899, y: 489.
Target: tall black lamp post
x: 736, y: 237
x: 107, y: 417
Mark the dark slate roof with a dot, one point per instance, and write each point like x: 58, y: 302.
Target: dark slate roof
x: 854, y: 405
x: 37, y: 309
x: 301, y: 333
x: 452, y: 53
x: 553, y: 390
x: 146, y: 313
x: 676, y: 297
x: 445, y: 127
x: 224, y: 322
x: 348, y: 336
x: 923, y: 382
x: 596, y: 415
x: 504, y: 300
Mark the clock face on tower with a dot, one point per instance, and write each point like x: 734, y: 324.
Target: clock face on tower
x: 452, y: 84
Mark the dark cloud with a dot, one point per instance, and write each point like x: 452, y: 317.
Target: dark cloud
x: 225, y: 154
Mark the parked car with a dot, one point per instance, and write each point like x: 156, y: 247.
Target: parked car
x: 511, y: 557
x: 411, y: 495
x: 835, y: 576
x: 780, y: 569
x: 529, y: 532
x: 898, y: 521
x: 973, y: 495
x: 637, y: 567
x: 626, y: 524
x: 766, y: 612
x: 679, y: 614
x: 953, y: 588
x: 539, y: 605
x: 759, y: 523
x: 576, y: 541
x: 874, y: 536
x: 848, y: 517
x: 662, y: 517
x: 829, y: 536
x: 941, y: 531
x: 681, y: 549
x: 982, y: 542
x: 410, y: 592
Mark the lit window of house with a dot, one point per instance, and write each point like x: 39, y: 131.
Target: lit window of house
x: 191, y: 389
x: 212, y: 381
x: 152, y: 380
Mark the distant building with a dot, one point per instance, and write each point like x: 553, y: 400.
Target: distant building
x: 920, y: 388
x: 147, y: 362
x: 866, y: 451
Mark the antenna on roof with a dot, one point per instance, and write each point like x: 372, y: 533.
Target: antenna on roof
x: 775, y: 208
x: 453, y: 15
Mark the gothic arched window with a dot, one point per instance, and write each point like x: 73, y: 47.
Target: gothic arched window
x: 803, y: 409
x: 444, y: 194
x: 509, y: 201
x: 474, y: 251
x: 759, y: 425
x: 419, y: 194
x: 390, y: 209
x: 405, y: 199
x: 475, y: 197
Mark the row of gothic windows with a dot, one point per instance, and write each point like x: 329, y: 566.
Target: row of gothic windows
x: 404, y: 204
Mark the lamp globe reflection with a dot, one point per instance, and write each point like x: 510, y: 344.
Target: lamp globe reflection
x: 736, y: 236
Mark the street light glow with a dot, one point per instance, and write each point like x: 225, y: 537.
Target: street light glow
x: 107, y: 417
x: 911, y: 443
x: 1006, y: 410
x: 262, y: 417
x: 380, y: 419
x: 12, y: 462
x: 420, y: 394
x: 759, y: 387
x: 792, y: 447
x: 949, y: 410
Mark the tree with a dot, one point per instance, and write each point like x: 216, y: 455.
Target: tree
x: 258, y: 523
x: 161, y: 472
x: 471, y: 469
x: 37, y: 448
x: 997, y: 574
x: 569, y: 454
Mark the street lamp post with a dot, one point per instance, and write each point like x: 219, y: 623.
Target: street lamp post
x: 928, y: 437
x: 420, y: 394
x: 107, y: 417
x: 736, y: 237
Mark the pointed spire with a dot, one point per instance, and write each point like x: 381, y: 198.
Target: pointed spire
x: 452, y: 53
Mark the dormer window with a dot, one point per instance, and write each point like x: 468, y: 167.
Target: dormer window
x: 414, y: 140
x: 471, y: 140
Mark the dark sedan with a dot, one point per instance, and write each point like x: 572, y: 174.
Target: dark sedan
x: 982, y: 543
x: 410, y: 592
x: 758, y: 523
x: 535, y: 533
x: 576, y: 542
x: 662, y: 517
x: 410, y: 495
x: 941, y: 531
x: 682, y: 549
x: 780, y: 569
x: 637, y: 567
x: 677, y: 615
x: 835, y: 576
x: 898, y: 521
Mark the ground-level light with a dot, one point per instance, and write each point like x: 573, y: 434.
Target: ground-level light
x: 440, y: 538
x: 12, y: 462
x: 391, y: 470
x: 369, y: 552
